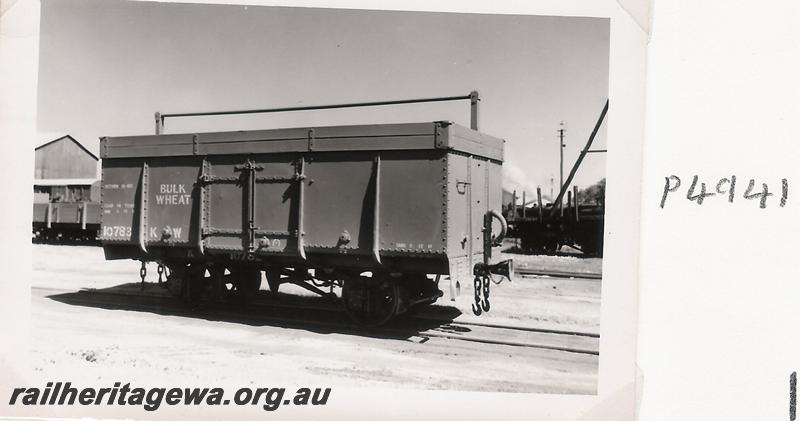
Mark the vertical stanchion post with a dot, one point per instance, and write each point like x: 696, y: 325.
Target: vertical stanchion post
x: 523, y: 204
x: 539, y: 201
x: 159, y: 123
x: 514, y: 204
x: 473, y: 108
x: 575, y: 195
x: 83, y: 215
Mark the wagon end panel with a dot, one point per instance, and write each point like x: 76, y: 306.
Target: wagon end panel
x: 474, y: 188
x: 495, y: 190
x: 459, y: 216
x: 479, y: 205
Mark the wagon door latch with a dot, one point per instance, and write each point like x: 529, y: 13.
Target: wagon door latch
x: 248, y: 170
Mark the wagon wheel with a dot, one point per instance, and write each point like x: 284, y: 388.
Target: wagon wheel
x: 196, y: 284
x: 552, y: 247
x: 371, y: 302
x: 419, y: 292
x: 176, y: 278
x: 588, y: 248
x: 273, y: 280
x: 246, y: 281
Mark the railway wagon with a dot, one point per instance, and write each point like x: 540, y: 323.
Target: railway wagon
x: 73, y: 222
x: 380, y: 210
x: 579, y: 227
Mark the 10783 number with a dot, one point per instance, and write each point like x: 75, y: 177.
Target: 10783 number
x: 117, y: 231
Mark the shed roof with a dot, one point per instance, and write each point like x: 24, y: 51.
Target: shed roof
x: 55, y: 138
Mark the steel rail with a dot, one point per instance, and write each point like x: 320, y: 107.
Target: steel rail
x: 520, y: 328
x: 557, y: 274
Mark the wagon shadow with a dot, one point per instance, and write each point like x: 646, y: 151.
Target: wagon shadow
x: 312, y: 314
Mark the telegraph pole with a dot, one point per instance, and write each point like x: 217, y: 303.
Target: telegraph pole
x: 561, y: 130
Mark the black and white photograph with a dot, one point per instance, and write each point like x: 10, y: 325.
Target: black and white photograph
x: 281, y: 202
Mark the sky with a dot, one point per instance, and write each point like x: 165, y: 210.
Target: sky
x: 106, y: 66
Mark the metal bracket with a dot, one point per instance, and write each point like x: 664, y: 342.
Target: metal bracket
x: 439, y: 136
x: 310, y: 140
x: 201, y: 206
x: 300, y: 170
x: 142, y: 234
x: 376, y: 232
x: 250, y: 167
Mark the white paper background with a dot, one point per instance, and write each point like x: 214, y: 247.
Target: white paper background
x: 719, y: 316
x: 619, y: 308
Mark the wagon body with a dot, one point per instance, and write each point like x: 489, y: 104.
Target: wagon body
x: 396, y: 197
x: 80, y: 214
x: 65, y: 221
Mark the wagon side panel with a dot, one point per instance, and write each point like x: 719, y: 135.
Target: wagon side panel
x: 278, y: 203
x: 40, y: 213
x: 223, y: 210
x: 171, y: 204
x: 413, y: 202
x: 339, y: 203
x: 120, y: 215
x: 251, y: 203
x: 92, y: 213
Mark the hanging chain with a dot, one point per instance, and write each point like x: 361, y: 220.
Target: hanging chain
x: 476, y: 308
x: 143, y: 272
x: 481, y: 289
x: 486, y: 282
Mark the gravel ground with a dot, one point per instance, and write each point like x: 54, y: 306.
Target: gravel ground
x: 566, y: 259
x: 93, y: 344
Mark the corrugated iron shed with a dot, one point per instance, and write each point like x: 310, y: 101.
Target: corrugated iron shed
x: 64, y: 158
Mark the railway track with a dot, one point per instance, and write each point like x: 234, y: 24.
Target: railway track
x: 329, y: 317
x: 556, y: 274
